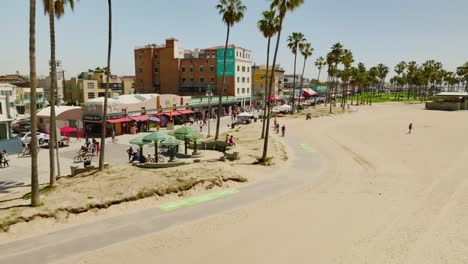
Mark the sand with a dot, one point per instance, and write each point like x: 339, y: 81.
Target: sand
x: 382, y: 196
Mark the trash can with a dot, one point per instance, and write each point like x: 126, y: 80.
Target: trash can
x: 255, y: 119
x: 86, y: 163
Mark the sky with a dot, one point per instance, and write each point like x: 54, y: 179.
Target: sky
x: 376, y: 31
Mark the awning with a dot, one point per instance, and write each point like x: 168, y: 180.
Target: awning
x: 174, y: 113
x: 119, y: 120
x: 154, y: 119
x: 309, y: 92
x: 139, y: 118
x: 185, y: 112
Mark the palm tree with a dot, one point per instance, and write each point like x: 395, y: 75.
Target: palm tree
x: 411, y: 71
x: 232, y: 12
x: 268, y: 25
x: 306, y: 51
x: 347, y: 60
x: 54, y: 8
x: 319, y: 63
x: 35, y: 199
x: 371, y: 81
x: 399, y: 69
x: 382, y: 72
x: 333, y: 59
x: 282, y: 6
x: 106, y: 93
x: 295, y: 42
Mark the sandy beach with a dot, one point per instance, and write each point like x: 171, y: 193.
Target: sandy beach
x: 382, y: 196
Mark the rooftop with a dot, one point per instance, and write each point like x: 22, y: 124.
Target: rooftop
x: 58, y: 110
x: 125, y: 99
x: 453, y: 94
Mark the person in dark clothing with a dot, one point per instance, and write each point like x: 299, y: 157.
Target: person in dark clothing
x: 410, y: 127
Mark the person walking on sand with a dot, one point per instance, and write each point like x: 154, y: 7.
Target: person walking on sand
x: 410, y: 127
x: 283, y: 130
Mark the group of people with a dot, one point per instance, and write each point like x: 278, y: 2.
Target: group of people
x: 4, y: 159
x: 133, y: 155
x: 277, y: 128
x: 90, y: 146
x: 230, y: 140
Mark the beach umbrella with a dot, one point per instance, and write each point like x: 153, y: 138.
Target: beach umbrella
x: 171, y: 142
x: 195, y: 136
x: 67, y: 130
x: 155, y: 137
x: 182, y: 133
x: 139, y: 142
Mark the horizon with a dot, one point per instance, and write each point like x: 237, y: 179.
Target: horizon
x: 423, y: 27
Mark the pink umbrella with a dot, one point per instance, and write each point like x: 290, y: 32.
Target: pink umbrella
x: 67, y: 130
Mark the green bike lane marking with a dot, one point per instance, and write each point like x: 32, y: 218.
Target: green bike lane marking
x: 308, y: 148
x: 197, y: 200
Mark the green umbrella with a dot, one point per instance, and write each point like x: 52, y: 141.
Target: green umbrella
x: 155, y: 137
x: 195, y: 136
x: 139, y: 142
x: 182, y: 133
x: 171, y: 142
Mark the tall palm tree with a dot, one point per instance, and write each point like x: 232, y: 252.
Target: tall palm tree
x: 400, y: 69
x: 411, y: 72
x: 35, y: 199
x: 268, y: 25
x: 382, y: 72
x: 295, y: 42
x: 319, y: 63
x: 347, y: 60
x: 54, y: 9
x: 306, y: 52
x: 106, y: 93
x: 232, y: 12
x: 282, y: 6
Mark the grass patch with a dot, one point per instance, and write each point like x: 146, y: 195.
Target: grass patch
x: 44, y: 191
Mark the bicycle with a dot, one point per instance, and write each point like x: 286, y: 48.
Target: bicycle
x: 153, y: 159
x: 26, y: 151
x: 83, y: 157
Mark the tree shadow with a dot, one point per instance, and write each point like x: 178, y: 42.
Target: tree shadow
x: 5, y: 186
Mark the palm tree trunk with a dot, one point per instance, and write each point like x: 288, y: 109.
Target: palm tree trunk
x: 35, y: 199
x: 294, y: 84
x: 302, y: 82
x: 273, y: 69
x: 104, y: 110
x: 220, y: 103
x: 53, y: 84
x: 318, y: 77
x: 328, y: 92
x: 266, y: 89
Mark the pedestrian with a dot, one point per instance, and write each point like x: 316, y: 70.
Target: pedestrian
x: 227, y: 138
x: 6, y: 159
x: 283, y: 130
x: 67, y: 135
x: 201, y: 127
x: 78, y: 136
x: 97, y: 147
x: 130, y: 153
x: 93, y: 146
x: 113, y: 136
x: 277, y: 128
x: 87, y: 142
x: 410, y: 127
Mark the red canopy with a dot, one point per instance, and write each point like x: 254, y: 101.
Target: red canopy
x: 309, y: 92
x: 174, y: 113
x: 68, y: 130
x: 119, y: 120
x: 185, y: 112
x: 140, y: 118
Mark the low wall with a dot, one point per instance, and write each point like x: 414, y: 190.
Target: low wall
x: 12, y: 145
x: 445, y: 106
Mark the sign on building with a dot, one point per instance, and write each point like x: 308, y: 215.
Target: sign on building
x: 230, y: 62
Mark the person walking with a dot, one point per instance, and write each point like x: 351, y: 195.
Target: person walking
x: 410, y: 127
x: 78, y: 136
x: 6, y: 159
x: 113, y: 136
x: 283, y: 130
x: 130, y: 153
x: 97, y: 147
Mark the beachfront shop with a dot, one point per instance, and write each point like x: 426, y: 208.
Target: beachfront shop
x: 203, y: 105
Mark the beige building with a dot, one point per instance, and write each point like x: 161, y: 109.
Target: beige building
x: 91, y: 85
x: 23, y: 100
x: 259, y: 75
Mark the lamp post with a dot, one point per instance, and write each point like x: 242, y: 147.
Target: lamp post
x: 209, y: 93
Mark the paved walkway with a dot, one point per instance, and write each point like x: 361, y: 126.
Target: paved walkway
x: 18, y: 175
x: 62, y: 244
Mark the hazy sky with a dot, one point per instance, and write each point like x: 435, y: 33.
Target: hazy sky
x: 385, y: 31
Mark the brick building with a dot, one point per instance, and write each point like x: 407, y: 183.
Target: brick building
x: 169, y: 69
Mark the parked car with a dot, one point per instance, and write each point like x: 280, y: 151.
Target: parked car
x: 26, y: 137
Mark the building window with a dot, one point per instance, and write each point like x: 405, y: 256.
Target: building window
x: 141, y: 80
x: 202, y: 68
x: 248, y: 69
x: 91, y: 95
x: 211, y: 68
x: 183, y: 69
x: 238, y: 90
x: 212, y: 80
x: 90, y: 85
x: 243, y: 79
x: 191, y: 69
x: 248, y: 90
x: 202, y: 80
x: 191, y: 80
x: 238, y: 68
x: 248, y: 79
x: 183, y: 80
x: 243, y: 68
x: 156, y: 69
x: 155, y: 56
x: 140, y: 70
x: 238, y: 79
x: 243, y: 90
x: 139, y: 56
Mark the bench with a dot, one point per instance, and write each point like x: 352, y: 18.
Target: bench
x: 232, y: 155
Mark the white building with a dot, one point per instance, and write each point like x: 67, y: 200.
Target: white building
x: 243, y: 76
x: 23, y: 100
x: 9, y: 91
x: 5, y: 119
